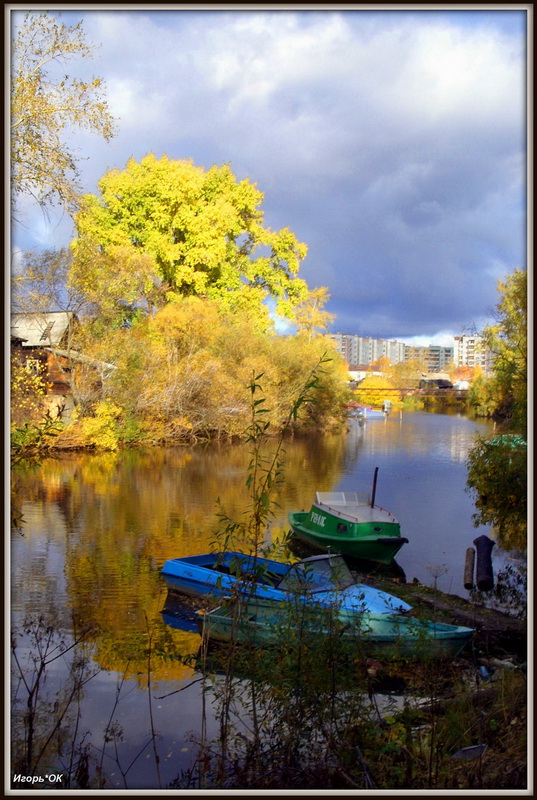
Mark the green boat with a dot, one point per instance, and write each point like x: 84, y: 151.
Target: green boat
x: 351, y: 524
x: 368, y: 634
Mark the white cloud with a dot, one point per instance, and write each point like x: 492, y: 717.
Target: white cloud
x: 391, y: 144
x: 442, y: 339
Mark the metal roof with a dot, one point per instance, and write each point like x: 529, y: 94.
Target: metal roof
x: 41, y: 329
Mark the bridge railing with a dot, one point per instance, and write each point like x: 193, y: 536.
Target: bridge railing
x: 414, y: 390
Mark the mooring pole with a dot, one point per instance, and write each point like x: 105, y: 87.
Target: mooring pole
x: 469, y: 568
x: 374, y: 489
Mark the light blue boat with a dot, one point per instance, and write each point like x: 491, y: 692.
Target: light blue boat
x: 369, y: 634
x: 325, y: 580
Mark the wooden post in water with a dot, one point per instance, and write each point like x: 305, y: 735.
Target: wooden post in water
x: 374, y: 489
x: 483, y: 572
x: 469, y: 568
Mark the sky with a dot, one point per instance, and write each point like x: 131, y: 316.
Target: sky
x: 392, y: 143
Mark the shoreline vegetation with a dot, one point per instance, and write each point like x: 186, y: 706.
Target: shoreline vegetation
x: 74, y: 438
x: 108, y: 428
x: 310, y: 715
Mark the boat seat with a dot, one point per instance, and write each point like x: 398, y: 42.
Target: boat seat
x: 221, y: 568
x: 265, y: 578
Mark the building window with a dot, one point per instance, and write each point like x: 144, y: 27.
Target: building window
x: 33, y: 366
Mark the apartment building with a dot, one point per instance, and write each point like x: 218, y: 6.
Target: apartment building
x: 365, y: 350
x: 435, y: 357
x: 362, y: 350
x: 470, y: 351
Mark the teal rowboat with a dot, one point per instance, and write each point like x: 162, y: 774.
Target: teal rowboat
x: 351, y: 524
x: 368, y: 634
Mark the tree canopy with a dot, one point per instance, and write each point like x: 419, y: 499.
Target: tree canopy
x: 46, y: 104
x: 497, y: 476
x: 42, y: 283
x: 497, y: 469
x: 190, y: 231
x: 310, y: 316
x: 508, y: 340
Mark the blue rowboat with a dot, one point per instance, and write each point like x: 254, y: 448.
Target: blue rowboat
x: 324, y: 580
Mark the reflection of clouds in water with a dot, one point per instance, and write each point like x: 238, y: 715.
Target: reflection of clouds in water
x: 37, y: 576
x: 422, y: 480
x: 355, y: 442
x: 448, y: 437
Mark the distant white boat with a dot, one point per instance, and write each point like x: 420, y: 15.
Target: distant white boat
x: 367, y: 412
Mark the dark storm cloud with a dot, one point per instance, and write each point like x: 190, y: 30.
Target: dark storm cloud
x: 391, y: 144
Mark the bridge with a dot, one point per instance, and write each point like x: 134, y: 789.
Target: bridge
x: 413, y: 390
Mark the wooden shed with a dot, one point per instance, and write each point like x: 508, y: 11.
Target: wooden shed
x: 34, y: 340
x: 44, y: 342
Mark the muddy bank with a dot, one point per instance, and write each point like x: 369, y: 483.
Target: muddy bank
x: 496, y: 632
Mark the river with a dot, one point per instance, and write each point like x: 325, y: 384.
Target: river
x: 98, y: 528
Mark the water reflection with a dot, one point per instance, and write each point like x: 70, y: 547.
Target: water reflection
x: 418, y: 433
x: 110, y: 521
x: 422, y: 480
x: 98, y: 529
x: 179, y: 614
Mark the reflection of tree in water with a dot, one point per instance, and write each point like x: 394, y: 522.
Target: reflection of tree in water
x: 123, y: 514
x: 51, y: 671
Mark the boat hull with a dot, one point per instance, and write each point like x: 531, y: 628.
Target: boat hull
x: 360, y: 541
x: 218, y: 573
x: 393, y: 637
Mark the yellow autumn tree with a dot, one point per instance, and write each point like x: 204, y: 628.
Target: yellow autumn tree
x: 310, y: 315
x: 375, y: 389
x: 47, y: 105
x: 183, y: 373
x: 189, y: 232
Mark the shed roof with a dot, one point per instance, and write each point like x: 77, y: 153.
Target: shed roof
x: 42, y: 328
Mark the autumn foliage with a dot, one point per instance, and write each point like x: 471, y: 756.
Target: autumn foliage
x: 162, y: 229
x: 375, y: 389
x: 182, y: 375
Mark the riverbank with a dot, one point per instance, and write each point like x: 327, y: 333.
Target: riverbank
x: 497, y: 633
x: 420, y: 722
